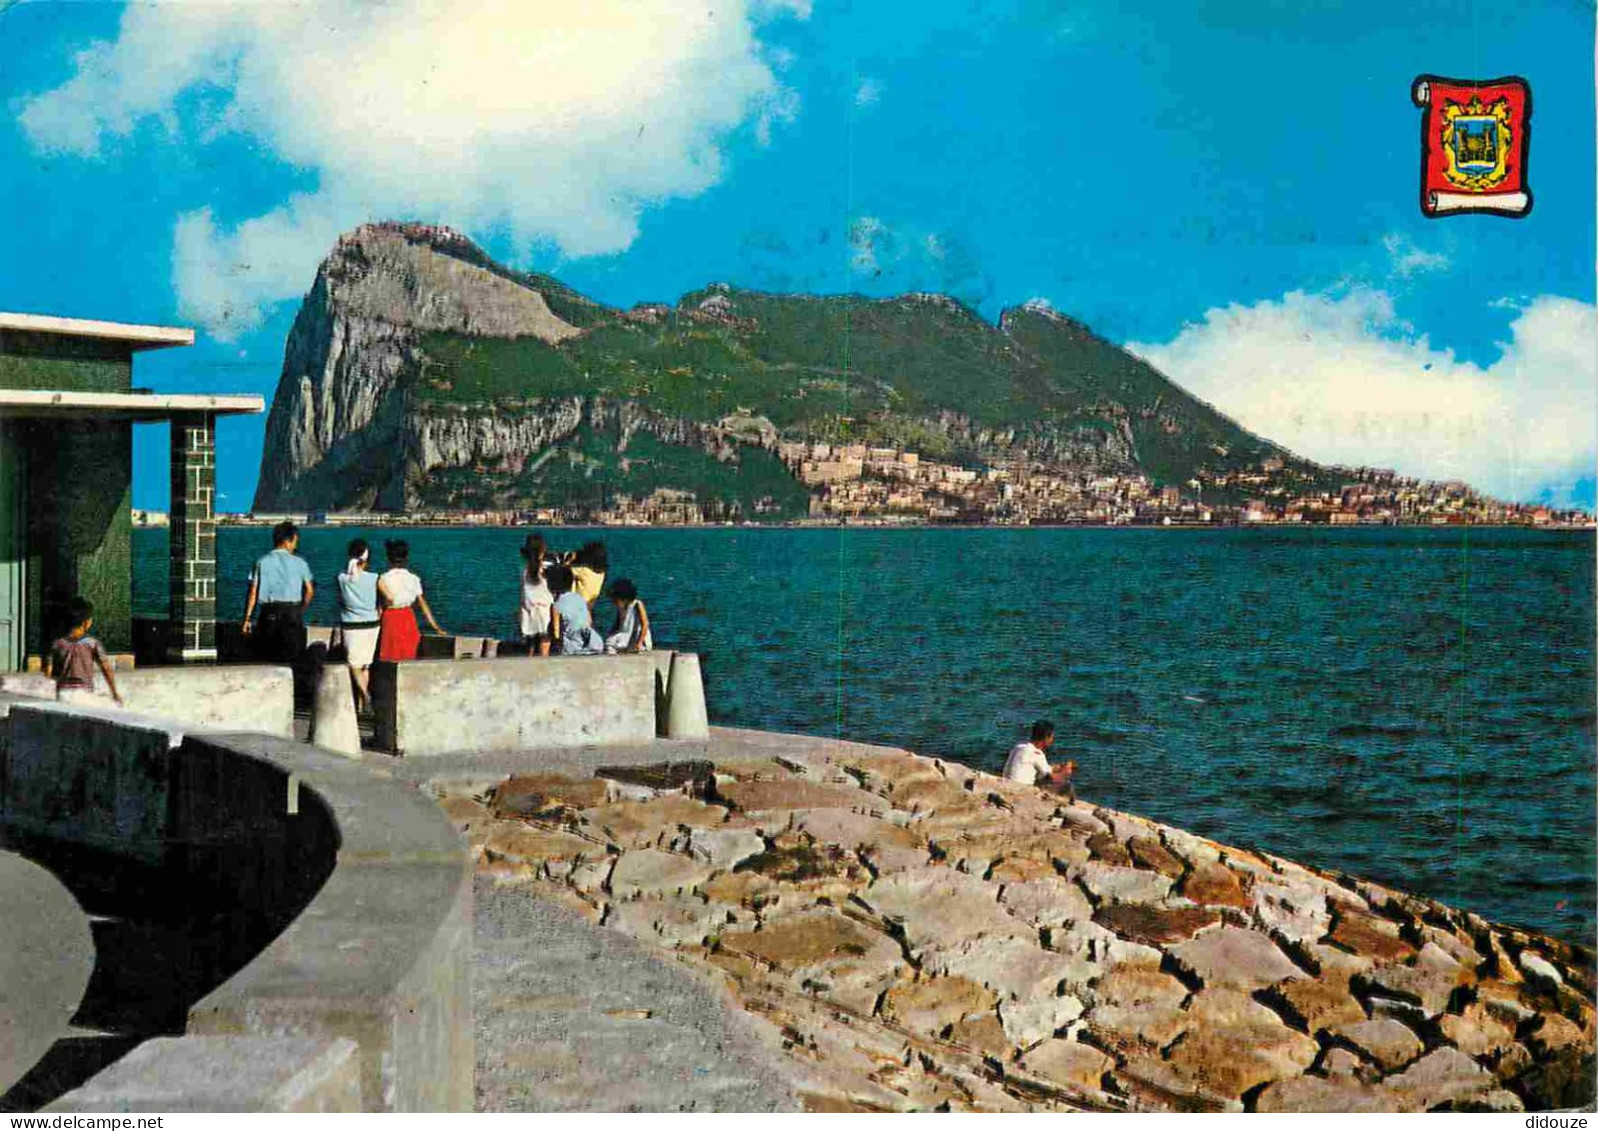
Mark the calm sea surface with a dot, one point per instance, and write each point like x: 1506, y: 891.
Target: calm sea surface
x: 1412, y: 705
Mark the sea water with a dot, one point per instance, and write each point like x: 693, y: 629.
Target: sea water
x: 1412, y: 705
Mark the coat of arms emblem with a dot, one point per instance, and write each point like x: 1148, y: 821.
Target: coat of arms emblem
x: 1474, y: 141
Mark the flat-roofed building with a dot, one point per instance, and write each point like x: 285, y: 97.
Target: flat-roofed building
x: 67, y: 410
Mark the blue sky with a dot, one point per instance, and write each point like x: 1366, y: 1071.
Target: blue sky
x: 1229, y: 188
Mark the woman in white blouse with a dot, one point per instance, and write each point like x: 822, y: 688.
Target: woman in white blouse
x: 399, y: 594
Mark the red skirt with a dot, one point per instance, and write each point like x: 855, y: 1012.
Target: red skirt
x: 398, y: 637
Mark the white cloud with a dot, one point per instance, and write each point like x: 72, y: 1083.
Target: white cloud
x: 1404, y: 258
x: 868, y: 92
x: 560, y: 122
x: 1338, y: 377
x: 870, y: 242
x: 225, y: 280
x: 912, y: 259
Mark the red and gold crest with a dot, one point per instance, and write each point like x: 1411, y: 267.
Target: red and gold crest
x: 1474, y: 141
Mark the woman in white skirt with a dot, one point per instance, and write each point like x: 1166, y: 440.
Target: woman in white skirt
x: 537, y: 601
x: 358, y: 620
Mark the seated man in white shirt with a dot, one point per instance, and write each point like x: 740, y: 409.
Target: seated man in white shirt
x: 1028, y: 760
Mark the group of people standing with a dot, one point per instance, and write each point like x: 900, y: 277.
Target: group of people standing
x: 378, y: 610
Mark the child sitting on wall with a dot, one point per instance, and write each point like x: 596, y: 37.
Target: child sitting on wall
x: 74, y: 657
x: 589, y: 565
x: 570, y: 622
x: 631, y: 630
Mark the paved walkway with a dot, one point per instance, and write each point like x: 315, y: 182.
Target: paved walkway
x: 46, y: 957
x: 573, y: 1017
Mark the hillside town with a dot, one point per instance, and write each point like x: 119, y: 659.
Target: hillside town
x: 857, y: 484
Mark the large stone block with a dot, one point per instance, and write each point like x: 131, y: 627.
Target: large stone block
x: 234, y: 697
x: 95, y: 777
x: 427, y: 707
x: 1037, y: 1018
x: 264, y: 1074
x: 1069, y: 1064
x: 933, y: 1004
x: 934, y: 905
x: 808, y: 940
x: 1010, y: 966
x: 649, y: 871
x: 1382, y: 1040
x: 1229, y: 956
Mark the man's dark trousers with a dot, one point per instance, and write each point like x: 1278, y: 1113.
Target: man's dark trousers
x: 280, y: 639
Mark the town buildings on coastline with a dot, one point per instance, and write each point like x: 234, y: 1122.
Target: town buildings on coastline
x: 855, y: 481
x: 857, y: 484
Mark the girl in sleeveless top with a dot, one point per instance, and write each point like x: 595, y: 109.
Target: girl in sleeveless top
x: 358, y: 619
x: 536, y: 599
x: 631, y: 630
x: 399, y: 593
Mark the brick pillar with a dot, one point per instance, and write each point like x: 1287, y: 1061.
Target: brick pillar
x: 192, y: 634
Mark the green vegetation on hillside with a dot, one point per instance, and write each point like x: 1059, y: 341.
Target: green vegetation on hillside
x: 699, y: 372
x: 836, y: 367
x: 586, y: 471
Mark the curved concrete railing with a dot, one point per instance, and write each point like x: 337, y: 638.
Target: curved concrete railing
x: 382, y: 954
x: 353, y: 890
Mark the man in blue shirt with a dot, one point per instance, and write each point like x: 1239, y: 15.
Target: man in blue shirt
x: 281, y: 588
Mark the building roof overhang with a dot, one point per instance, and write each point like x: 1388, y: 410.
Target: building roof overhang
x: 133, y: 336
x: 137, y: 407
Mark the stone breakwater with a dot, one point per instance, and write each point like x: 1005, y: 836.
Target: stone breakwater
x: 921, y: 936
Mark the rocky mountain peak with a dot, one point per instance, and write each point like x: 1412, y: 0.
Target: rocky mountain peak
x: 357, y: 340
x: 420, y: 372
x: 437, y: 236
x: 1039, y: 310
x: 429, y: 277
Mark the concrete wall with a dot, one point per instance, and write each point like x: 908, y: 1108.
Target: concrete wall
x: 271, y: 1074
x: 94, y: 778
x: 382, y: 954
x: 427, y: 707
x: 236, y: 697
x: 357, y: 890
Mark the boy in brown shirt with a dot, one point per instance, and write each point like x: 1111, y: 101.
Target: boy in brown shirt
x: 74, y: 657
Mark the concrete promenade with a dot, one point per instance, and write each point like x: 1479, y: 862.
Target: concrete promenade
x: 572, y: 1017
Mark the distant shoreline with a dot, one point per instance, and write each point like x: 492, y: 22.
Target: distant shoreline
x: 1184, y: 527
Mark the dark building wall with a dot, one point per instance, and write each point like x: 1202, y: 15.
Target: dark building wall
x: 45, y: 361
x: 80, y: 530
x: 79, y: 486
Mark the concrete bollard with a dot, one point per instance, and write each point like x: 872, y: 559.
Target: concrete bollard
x: 662, y: 660
x: 333, y: 725
x: 685, y: 699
